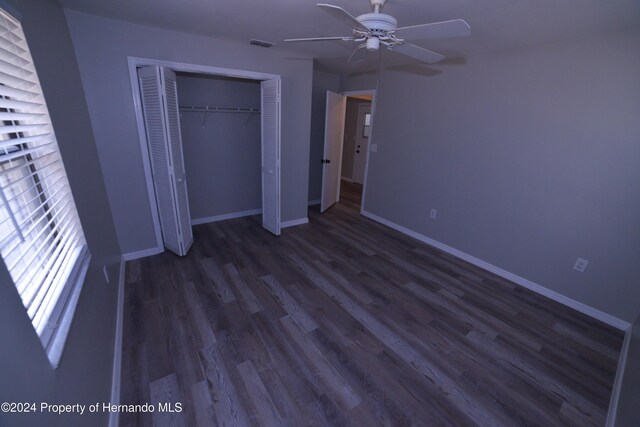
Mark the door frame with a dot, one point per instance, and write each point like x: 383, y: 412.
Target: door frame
x: 372, y: 93
x: 133, y: 64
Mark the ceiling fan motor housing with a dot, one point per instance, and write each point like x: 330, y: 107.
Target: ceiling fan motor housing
x: 378, y: 22
x: 379, y: 25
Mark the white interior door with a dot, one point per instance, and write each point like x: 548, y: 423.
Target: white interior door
x: 332, y: 157
x: 162, y: 123
x: 270, y: 115
x: 361, y: 145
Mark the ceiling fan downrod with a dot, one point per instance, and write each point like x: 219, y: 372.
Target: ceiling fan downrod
x: 377, y: 5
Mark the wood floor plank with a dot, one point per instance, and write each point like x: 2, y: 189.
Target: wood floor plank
x: 248, y: 298
x: 165, y: 391
x: 358, y: 368
x: 440, y: 303
x: 226, y: 403
x: 267, y: 413
x: 289, y: 407
x: 295, y: 312
x: 269, y: 304
x: 219, y: 281
x: 203, y: 405
x: 133, y: 273
x: 324, y: 371
x: 200, y: 320
x: 352, y: 287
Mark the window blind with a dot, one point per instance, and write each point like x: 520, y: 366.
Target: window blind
x: 41, y: 238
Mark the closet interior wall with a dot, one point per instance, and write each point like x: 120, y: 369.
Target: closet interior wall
x: 221, y: 149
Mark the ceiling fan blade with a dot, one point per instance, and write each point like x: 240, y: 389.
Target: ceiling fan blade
x: 417, y: 52
x: 320, y: 39
x: 358, y: 54
x: 435, y: 30
x: 344, y: 16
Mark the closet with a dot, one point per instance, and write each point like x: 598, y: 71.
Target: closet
x: 213, y: 144
x: 220, y: 122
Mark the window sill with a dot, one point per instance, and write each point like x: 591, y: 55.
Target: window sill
x: 57, y: 344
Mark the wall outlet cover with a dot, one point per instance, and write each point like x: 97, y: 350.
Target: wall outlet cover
x: 581, y: 264
x: 433, y: 214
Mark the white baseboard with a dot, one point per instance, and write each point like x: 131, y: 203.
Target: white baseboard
x: 130, y: 256
x: 114, y: 417
x: 583, y: 308
x: 294, y: 222
x: 617, y: 383
x: 222, y: 217
x: 314, y: 202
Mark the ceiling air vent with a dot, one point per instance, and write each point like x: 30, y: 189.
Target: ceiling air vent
x: 260, y: 43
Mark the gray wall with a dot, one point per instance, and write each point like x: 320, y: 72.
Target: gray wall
x: 531, y: 157
x: 322, y: 82
x: 628, y: 411
x: 350, y: 130
x: 84, y: 374
x: 221, y: 151
x: 102, y: 46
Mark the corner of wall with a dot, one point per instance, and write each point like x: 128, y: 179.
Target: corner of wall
x: 114, y: 417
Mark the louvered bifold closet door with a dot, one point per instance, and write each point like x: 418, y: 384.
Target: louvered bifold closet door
x: 164, y: 149
x: 41, y: 238
x: 177, y: 158
x: 270, y: 114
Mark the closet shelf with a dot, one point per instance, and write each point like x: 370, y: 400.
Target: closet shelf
x: 211, y: 109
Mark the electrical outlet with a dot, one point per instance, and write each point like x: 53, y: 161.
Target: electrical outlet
x: 580, y: 265
x: 433, y: 214
x: 106, y: 273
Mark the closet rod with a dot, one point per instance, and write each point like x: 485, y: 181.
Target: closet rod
x: 210, y: 109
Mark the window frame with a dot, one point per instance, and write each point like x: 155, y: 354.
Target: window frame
x: 62, y: 262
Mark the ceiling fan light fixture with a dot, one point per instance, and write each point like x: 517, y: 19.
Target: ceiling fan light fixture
x: 373, y: 43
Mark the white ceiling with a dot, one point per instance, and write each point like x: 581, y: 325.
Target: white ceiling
x: 495, y: 24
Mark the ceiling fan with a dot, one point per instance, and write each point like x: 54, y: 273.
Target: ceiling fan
x: 371, y: 30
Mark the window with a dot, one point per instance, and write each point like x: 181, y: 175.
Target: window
x: 41, y: 239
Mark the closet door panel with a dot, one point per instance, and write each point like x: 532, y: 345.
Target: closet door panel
x: 270, y: 115
x: 177, y: 159
x: 154, y: 120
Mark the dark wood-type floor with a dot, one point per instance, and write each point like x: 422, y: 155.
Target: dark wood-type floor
x: 346, y: 322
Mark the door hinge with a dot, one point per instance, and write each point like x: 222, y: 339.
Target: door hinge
x: 323, y: 161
